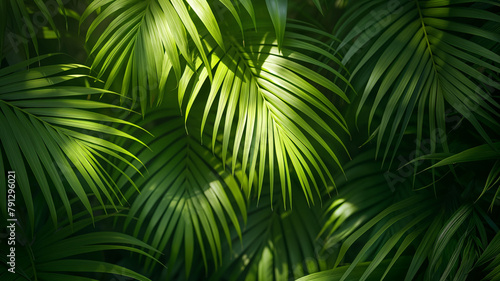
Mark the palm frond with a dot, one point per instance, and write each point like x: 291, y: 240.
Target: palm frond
x: 427, y: 58
x: 64, y: 254
x: 146, y: 39
x: 187, y: 198
x: 272, y: 122
x: 278, y: 11
x: 42, y: 114
x: 478, y: 153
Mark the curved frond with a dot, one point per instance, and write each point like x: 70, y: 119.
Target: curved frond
x: 478, y: 153
x: 271, y: 107
x: 424, y: 60
x: 188, y: 200
x: 51, y: 131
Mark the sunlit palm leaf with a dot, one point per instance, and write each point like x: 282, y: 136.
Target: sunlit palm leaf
x: 425, y: 55
x: 62, y: 255
x: 42, y: 116
x: 145, y: 40
x: 278, y: 10
x: 188, y: 199
x: 267, y: 98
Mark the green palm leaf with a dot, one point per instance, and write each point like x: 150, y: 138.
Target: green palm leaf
x: 278, y: 11
x: 187, y: 199
x: 42, y: 116
x: 423, y: 57
x: 272, y: 122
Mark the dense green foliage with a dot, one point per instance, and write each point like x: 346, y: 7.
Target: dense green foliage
x: 250, y: 140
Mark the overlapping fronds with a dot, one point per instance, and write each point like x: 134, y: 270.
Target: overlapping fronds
x: 146, y: 39
x: 450, y: 243
x: 269, y: 106
x: 188, y: 200
x: 43, y: 111
x: 276, y: 244
x: 492, y: 258
x: 396, y: 273
x: 485, y: 154
x: 423, y: 60
x: 250, y: 105
x: 358, y: 200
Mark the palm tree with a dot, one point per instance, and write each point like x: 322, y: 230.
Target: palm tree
x: 250, y: 140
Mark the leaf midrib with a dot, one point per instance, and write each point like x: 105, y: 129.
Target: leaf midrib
x: 426, y: 36
x: 37, y: 118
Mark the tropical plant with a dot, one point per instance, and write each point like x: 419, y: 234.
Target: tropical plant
x: 250, y: 140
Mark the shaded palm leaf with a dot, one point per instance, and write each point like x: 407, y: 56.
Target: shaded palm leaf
x: 423, y: 55
x: 277, y: 244
x: 450, y: 241
x: 19, y: 23
x: 63, y: 254
x: 42, y: 117
x: 359, y: 199
x: 267, y: 98
x: 187, y: 198
x: 278, y: 10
